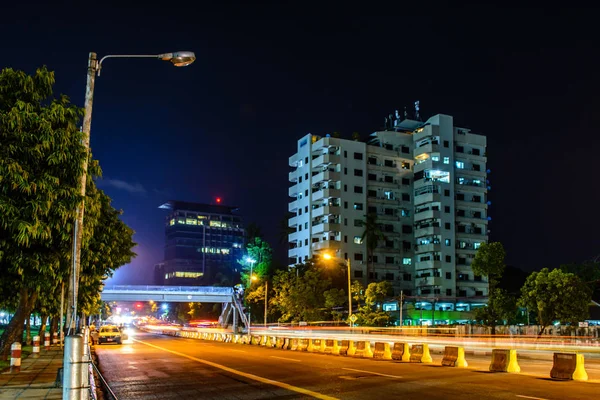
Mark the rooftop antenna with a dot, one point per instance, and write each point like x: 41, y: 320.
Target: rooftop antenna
x: 417, y: 114
x: 405, y: 113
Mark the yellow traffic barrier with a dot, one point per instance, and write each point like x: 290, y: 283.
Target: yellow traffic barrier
x: 454, y: 357
x: 256, y: 340
x: 504, y: 360
x: 382, y: 351
x: 420, y: 353
x: 295, y: 343
x: 303, y: 344
x: 569, y: 366
x: 331, y: 347
x: 344, y: 348
x: 279, y: 342
x: 287, y: 344
x: 401, y: 352
x: 316, y: 345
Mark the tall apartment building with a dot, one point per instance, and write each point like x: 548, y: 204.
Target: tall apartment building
x: 202, y: 245
x: 425, y: 182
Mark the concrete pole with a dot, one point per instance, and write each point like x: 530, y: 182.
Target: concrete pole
x: 62, y: 314
x: 401, y: 304
x: 78, y: 234
x: 72, y: 385
x: 266, y: 288
x: 86, y: 359
x: 349, y: 293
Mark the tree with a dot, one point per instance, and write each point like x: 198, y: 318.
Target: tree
x: 371, y: 313
x: 41, y: 159
x: 501, y: 306
x: 489, y: 261
x: 372, y: 234
x: 588, y: 272
x: 356, y: 136
x: 260, y: 251
x: 555, y: 295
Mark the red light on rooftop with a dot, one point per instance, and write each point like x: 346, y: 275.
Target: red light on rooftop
x: 218, y: 200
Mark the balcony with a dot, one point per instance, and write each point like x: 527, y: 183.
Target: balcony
x: 428, y: 164
x: 293, y: 206
x: 428, y: 148
x: 325, y: 210
x: 293, y: 253
x: 325, y: 159
x: 326, y: 194
x: 325, y: 176
x: 427, y: 231
x: 293, y: 160
x: 428, y: 248
x: 428, y: 281
x: 477, y: 158
x: 470, y: 219
x: 429, y: 264
x: 295, y: 236
x: 383, y: 200
x: 471, y: 172
x: 326, y: 227
x: 472, y: 235
x: 293, y: 176
x: 293, y: 191
x: 428, y: 214
x: 379, y: 166
x: 466, y: 204
x: 326, y: 244
x: 293, y: 222
x: 385, y: 217
x: 427, y: 198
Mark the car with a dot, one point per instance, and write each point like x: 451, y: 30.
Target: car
x: 109, y: 334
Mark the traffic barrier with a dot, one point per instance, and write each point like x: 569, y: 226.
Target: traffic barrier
x: 270, y: 341
x: 303, y: 344
x: 401, y: 352
x: 263, y: 340
x: 46, y: 340
x: 295, y: 343
x: 236, y: 338
x: 15, y: 357
x: 316, y: 345
x: 454, y: 357
x: 568, y: 366
x: 331, y: 346
x: 35, y: 352
x: 504, y: 360
x: 363, y: 349
x: 287, y: 344
x: 420, y: 353
x: 54, y: 337
x: 382, y: 351
x: 256, y: 340
x: 245, y: 339
x: 279, y: 342
x: 351, y: 348
x: 344, y: 348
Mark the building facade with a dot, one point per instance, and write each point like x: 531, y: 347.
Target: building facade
x: 202, y: 245
x: 426, y: 182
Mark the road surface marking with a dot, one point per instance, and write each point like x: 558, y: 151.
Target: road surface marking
x: 374, y: 373
x: 283, y: 358
x: 530, y: 397
x: 239, y: 351
x: 245, y: 374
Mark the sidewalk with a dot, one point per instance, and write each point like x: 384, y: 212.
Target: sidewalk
x: 36, y: 379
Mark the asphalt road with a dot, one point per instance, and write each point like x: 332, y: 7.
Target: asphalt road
x: 160, y: 367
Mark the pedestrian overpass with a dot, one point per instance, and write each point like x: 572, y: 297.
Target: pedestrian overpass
x: 232, y: 307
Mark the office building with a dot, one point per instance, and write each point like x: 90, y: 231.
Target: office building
x: 203, y: 243
x: 426, y: 182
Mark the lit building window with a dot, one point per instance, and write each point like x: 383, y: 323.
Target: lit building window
x: 476, y: 245
x: 181, y: 220
x: 435, y: 158
x: 172, y: 222
x: 191, y: 221
x: 406, y: 261
x: 446, y: 160
x: 460, y: 164
x: 357, y: 240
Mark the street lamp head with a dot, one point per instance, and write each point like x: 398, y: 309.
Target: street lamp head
x: 327, y: 256
x: 254, y: 278
x: 179, y: 58
x: 250, y: 260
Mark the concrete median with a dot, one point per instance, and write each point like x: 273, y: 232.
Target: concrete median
x: 382, y: 351
x: 420, y: 353
x: 363, y: 349
x: 401, y: 352
x: 568, y: 366
x: 454, y: 357
x: 504, y: 360
x: 331, y: 346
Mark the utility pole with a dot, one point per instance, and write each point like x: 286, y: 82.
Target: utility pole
x: 349, y: 293
x: 266, y: 288
x: 401, y: 302
x: 78, y: 234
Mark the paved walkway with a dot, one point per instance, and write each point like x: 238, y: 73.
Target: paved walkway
x: 36, y: 379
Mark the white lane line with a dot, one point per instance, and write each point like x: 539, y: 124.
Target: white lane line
x: 245, y: 374
x: 530, y: 397
x: 374, y: 373
x: 283, y: 358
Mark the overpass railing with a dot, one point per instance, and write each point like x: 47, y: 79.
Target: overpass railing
x: 172, y: 289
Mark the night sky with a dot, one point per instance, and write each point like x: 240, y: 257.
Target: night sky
x: 266, y: 75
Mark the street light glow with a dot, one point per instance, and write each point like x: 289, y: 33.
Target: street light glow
x: 327, y: 256
x: 250, y: 260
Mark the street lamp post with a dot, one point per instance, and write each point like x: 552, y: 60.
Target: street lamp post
x: 178, y: 59
x: 250, y: 261
x: 328, y: 256
x: 72, y: 358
